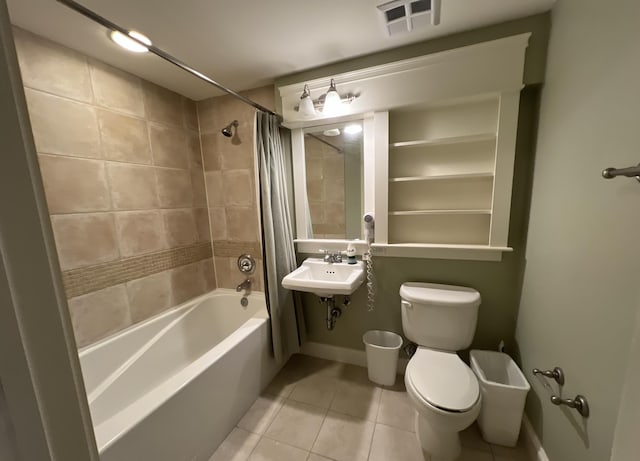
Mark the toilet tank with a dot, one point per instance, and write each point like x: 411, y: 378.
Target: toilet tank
x: 439, y: 316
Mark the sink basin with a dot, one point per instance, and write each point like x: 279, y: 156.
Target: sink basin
x: 325, y: 279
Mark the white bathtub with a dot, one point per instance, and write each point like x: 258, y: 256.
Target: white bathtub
x: 172, y: 387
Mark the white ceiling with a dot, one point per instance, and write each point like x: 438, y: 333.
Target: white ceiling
x: 246, y: 43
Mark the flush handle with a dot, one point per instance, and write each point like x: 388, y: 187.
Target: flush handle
x: 406, y: 304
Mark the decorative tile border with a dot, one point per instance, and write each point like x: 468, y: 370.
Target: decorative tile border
x: 87, y: 279
x: 230, y: 249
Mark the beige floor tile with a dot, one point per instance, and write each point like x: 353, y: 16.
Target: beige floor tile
x: 236, y: 447
x: 469, y: 454
x: 296, y: 424
x: 316, y: 389
x: 471, y: 438
x: 261, y: 414
x: 344, y: 438
x: 519, y: 453
x: 314, y: 457
x: 390, y: 443
x: 284, y: 382
x: 357, y: 399
x: 272, y: 450
x: 396, y: 410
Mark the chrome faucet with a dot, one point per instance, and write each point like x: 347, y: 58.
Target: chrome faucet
x: 332, y: 256
x: 246, y: 286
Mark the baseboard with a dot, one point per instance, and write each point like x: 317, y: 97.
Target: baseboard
x: 343, y: 354
x: 532, y: 442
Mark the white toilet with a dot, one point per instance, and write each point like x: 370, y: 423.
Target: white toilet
x: 440, y: 319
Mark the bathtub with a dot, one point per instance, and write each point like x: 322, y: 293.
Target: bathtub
x: 172, y: 387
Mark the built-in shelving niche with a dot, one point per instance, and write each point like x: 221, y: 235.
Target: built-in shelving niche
x: 441, y: 173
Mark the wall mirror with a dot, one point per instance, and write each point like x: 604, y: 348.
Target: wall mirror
x: 329, y: 181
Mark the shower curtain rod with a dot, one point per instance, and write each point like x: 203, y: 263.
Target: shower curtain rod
x: 160, y: 53
x: 318, y: 138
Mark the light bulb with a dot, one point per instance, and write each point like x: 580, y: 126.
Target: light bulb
x: 306, y: 108
x: 131, y: 45
x: 332, y: 101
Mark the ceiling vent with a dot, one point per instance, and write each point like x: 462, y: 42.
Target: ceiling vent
x: 401, y: 16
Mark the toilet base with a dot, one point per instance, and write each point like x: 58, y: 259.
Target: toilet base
x: 437, y: 445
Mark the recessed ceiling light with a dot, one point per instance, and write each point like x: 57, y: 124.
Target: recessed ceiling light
x: 331, y: 132
x: 353, y: 129
x: 129, y: 44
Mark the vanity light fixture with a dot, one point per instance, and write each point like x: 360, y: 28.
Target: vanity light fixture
x: 329, y: 103
x: 306, y: 103
x: 129, y: 44
x: 332, y: 100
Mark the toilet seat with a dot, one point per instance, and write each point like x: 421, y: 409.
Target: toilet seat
x: 442, y: 380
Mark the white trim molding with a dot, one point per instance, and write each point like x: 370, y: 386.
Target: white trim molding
x: 490, y: 67
x: 532, y: 442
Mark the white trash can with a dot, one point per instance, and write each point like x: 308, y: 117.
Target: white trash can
x: 504, y: 390
x: 382, y: 355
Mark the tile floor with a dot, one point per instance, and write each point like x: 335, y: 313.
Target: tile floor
x: 318, y: 410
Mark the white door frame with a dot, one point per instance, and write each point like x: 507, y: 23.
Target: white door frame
x: 39, y: 367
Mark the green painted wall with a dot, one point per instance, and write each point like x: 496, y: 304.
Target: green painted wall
x: 498, y: 282
x: 581, y: 288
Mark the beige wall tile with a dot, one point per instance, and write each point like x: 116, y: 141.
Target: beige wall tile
x: 74, y: 185
x: 84, y: 239
x: 315, y: 170
x: 211, y: 156
x: 96, y: 315
x: 238, y: 187
x: 215, y: 188
x: 180, y: 227
x: 190, y: 113
x: 333, y: 167
x: 195, y: 153
x: 62, y: 126
x: 202, y: 224
x: 132, y: 187
x: 187, y: 282
x: 162, y: 105
x: 49, y: 67
x: 224, y: 275
x: 174, y: 188
x: 124, y: 138
x: 208, y: 272
x: 170, y: 146
x: 218, y: 223
x: 206, y: 113
x: 116, y: 89
x: 334, y: 190
x: 315, y: 189
x: 149, y: 296
x: 140, y: 232
x: 237, y: 156
x: 242, y: 224
x: 199, y: 190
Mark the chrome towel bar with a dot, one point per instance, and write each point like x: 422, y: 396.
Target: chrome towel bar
x: 631, y: 172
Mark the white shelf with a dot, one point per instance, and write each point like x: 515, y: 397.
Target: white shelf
x: 440, y: 251
x: 442, y: 177
x: 447, y: 140
x: 437, y: 212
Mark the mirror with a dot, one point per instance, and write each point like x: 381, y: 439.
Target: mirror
x: 334, y: 173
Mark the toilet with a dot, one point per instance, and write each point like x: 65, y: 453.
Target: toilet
x: 440, y: 319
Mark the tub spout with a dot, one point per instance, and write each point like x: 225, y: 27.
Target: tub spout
x: 246, y: 285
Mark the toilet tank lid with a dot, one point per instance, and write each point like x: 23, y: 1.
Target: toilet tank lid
x: 443, y: 295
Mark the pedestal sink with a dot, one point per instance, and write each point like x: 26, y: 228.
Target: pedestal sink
x: 325, y: 279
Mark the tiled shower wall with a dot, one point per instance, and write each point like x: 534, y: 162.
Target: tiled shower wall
x: 122, y: 169
x: 231, y: 178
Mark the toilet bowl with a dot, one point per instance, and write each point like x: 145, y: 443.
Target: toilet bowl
x: 440, y: 319
x: 446, y: 394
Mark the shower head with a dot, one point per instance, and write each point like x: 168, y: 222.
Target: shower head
x: 227, y: 129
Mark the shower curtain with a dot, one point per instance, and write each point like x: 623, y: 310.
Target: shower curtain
x: 279, y: 256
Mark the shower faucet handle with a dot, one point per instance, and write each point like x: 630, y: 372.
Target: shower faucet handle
x: 556, y: 374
